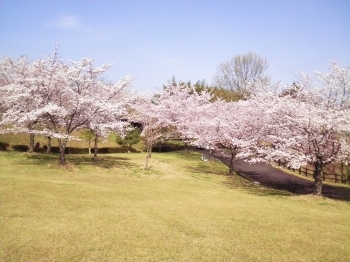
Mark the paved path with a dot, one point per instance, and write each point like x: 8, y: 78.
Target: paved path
x: 276, y: 178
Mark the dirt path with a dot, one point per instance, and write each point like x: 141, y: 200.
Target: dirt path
x: 276, y: 178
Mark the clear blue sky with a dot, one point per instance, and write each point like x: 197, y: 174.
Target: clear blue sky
x: 154, y: 40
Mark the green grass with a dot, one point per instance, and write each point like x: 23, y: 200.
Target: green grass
x: 181, y: 209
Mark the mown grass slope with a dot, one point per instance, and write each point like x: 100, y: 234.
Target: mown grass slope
x: 181, y: 209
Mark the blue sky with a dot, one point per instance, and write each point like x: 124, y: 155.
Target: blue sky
x: 188, y: 39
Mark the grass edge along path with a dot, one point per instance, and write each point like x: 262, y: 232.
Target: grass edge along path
x: 181, y: 209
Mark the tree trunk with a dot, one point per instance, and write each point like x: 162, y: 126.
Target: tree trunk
x: 62, y: 145
x: 210, y: 155
x: 185, y: 148
x: 31, y: 143
x: 146, y: 161
x: 89, y: 147
x: 232, y: 161
x: 149, y: 151
x: 95, y: 146
x: 318, y: 179
x: 48, y: 149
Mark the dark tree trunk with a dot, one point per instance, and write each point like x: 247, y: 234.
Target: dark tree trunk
x: 31, y: 143
x: 62, y: 145
x: 210, y: 154
x: 318, y: 179
x: 48, y: 149
x: 186, y: 148
x: 95, y: 146
x: 232, y: 161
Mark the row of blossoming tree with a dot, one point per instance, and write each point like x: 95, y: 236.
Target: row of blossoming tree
x: 307, y: 123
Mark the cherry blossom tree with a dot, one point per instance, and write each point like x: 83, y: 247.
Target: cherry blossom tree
x: 204, y: 125
x: 20, y: 96
x: 180, y: 105
x: 109, y: 112
x: 146, y: 112
x: 232, y: 128
x: 241, y: 128
x: 173, y: 108
x: 307, y: 127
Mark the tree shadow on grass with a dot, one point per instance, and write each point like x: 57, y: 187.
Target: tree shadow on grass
x: 287, y: 187
x: 241, y: 183
x: 203, y: 170
x: 102, y: 161
x: 278, y: 180
x: 271, y: 178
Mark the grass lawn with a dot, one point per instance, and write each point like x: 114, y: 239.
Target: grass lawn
x: 181, y: 209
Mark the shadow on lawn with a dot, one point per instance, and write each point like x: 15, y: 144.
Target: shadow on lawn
x: 238, y: 181
x: 102, y: 161
x: 261, y: 184
x: 277, y: 182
